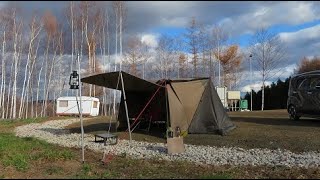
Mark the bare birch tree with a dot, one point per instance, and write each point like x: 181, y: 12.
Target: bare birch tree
x: 193, y: 40
x: 136, y: 55
x: 52, y: 46
x: 35, y: 29
x: 268, y: 52
x: 17, y: 30
x: 6, y: 26
x: 166, y: 53
x: 219, y: 38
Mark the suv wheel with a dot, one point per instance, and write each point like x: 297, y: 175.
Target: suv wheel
x: 293, y: 113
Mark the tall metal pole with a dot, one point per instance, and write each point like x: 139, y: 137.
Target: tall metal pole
x: 250, y: 82
x: 125, y: 105
x: 219, y: 63
x: 81, y: 120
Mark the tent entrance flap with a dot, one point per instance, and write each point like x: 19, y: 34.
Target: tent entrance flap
x: 144, y: 108
x: 189, y: 93
x: 143, y: 105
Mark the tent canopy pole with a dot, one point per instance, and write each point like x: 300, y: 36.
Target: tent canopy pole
x: 125, y: 105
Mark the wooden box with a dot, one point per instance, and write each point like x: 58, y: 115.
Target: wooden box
x: 175, y: 145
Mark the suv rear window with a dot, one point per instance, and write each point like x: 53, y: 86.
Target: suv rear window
x: 305, y: 84
x: 295, y: 83
x: 315, y: 81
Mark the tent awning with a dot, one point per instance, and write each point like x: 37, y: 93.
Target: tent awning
x: 112, y: 80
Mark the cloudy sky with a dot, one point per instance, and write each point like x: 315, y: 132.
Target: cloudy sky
x: 297, y: 23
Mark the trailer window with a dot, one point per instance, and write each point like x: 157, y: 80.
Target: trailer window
x: 63, y: 103
x: 95, y: 104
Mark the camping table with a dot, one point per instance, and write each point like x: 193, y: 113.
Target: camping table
x: 105, y: 137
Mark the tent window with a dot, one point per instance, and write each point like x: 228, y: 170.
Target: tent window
x: 95, y: 104
x: 63, y: 104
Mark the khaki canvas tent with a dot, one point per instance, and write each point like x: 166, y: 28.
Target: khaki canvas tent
x: 193, y: 105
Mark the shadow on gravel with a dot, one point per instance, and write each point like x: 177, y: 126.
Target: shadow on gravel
x: 92, y: 128
x: 155, y: 131
x: 55, y: 131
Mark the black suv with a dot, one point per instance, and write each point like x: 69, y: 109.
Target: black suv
x: 304, y: 95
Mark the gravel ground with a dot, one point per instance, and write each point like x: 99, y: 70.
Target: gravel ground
x: 54, y: 132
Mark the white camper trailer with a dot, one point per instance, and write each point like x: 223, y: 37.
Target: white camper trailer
x: 67, y: 106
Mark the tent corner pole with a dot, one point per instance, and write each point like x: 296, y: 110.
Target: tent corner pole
x: 125, y: 105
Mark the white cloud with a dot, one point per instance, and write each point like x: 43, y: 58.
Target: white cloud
x: 150, y: 40
x: 290, y: 13
x: 305, y: 42
x: 261, y: 11
x: 175, y: 22
x: 308, y: 33
x: 256, y: 86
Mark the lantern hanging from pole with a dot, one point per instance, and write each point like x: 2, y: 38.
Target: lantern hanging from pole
x: 74, y: 80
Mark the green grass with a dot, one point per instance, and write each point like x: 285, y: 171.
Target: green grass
x: 87, y: 172
x: 9, y: 124
x: 18, y: 152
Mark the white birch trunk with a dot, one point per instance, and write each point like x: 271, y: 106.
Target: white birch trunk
x: 115, y: 64
x: 7, y: 115
x: 3, y: 76
x: 42, y: 114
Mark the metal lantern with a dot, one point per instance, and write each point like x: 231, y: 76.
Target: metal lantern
x: 74, y: 80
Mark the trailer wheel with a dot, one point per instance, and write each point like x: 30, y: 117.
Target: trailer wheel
x: 293, y: 113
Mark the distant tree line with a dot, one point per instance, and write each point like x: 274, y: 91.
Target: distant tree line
x: 276, y: 96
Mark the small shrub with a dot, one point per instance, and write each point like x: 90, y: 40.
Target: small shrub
x: 19, y: 161
x: 86, y: 168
